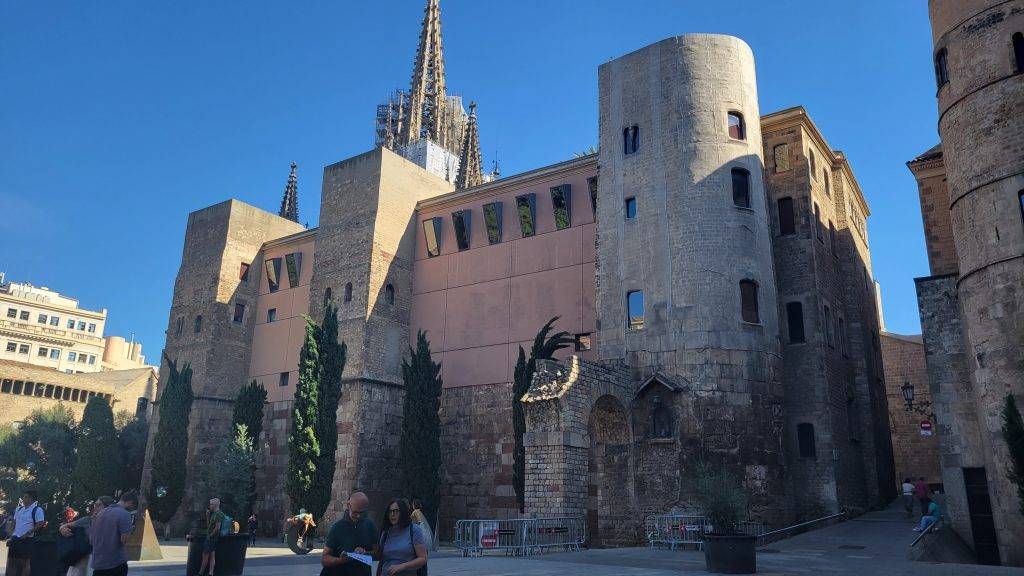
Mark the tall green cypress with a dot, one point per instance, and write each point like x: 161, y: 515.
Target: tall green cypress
x: 544, y: 348
x: 303, y: 444
x: 131, y: 440
x: 170, y: 444
x: 1013, y: 434
x: 249, y: 410
x: 420, y: 447
x: 332, y: 364
x: 99, y: 458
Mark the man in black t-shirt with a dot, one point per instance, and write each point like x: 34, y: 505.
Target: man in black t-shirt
x: 353, y: 533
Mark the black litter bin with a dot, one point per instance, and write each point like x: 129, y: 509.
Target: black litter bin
x: 230, y: 554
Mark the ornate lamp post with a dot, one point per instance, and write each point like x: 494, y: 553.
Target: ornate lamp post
x: 923, y: 408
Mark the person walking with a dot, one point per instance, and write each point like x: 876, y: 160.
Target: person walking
x: 109, y: 533
x: 353, y: 533
x: 403, y: 551
x: 921, y: 493
x: 28, y: 520
x: 908, y: 496
x: 79, y: 527
x: 252, y: 525
x: 214, y: 521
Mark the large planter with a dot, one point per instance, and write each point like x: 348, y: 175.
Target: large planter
x: 730, y: 554
x: 229, y: 556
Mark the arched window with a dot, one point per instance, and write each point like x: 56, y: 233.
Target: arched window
x: 198, y: 327
x: 348, y: 292
x: 1018, y: 52
x: 635, y: 310
x: 737, y: 130
x: 781, y: 155
x: 741, y: 187
x: 327, y: 296
x: 941, y: 75
x: 389, y: 294
x: 805, y: 440
x: 630, y: 139
x: 748, y: 302
x: 661, y: 421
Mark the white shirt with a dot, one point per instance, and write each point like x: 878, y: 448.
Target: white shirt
x: 908, y: 489
x: 23, y: 520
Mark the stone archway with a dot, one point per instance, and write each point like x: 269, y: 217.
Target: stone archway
x: 609, y: 471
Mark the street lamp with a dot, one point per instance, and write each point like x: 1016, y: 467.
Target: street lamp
x: 908, y: 395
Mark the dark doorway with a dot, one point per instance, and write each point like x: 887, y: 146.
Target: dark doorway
x: 979, y: 506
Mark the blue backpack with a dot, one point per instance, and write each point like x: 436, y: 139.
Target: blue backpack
x: 226, y: 525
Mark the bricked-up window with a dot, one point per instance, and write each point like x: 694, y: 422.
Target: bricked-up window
x: 661, y: 421
x: 526, y: 206
x: 827, y: 328
x: 431, y: 236
x: 273, y: 267
x: 271, y: 315
x: 239, y: 314
x: 787, y: 219
x: 583, y: 342
x: 561, y: 202
x: 748, y: 302
x: 635, y: 310
x: 817, y: 223
x: 941, y: 74
x: 737, y: 130
x: 741, y: 187
x: 592, y: 188
x: 348, y: 292
x: 1018, y: 52
x: 198, y: 326
x: 781, y: 154
x: 795, y: 320
x: 630, y: 139
x: 389, y: 294
x: 293, y: 263
x: 832, y: 238
x: 805, y: 440
x: 630, y: 208
x: 461, y: 222
x: 282, y: 379
x: 828, y: 185
x: 492, y: 220
x: 177, y: 327
x: 243, y: 272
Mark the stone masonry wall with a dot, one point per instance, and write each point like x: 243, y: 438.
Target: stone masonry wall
x: 915, y: 455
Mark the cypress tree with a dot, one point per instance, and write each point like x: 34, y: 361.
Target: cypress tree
x: 303, y: 445
x: 1013, y: 434
x: 170, y: 444
x: 544, y: 348
x: 332, y: 364
x: 420, y: 447
x: 131, y: 439
x: 249, y: 410
x: 98, y: 463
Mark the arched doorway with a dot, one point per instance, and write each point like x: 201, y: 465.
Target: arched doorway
x: 609, y: 494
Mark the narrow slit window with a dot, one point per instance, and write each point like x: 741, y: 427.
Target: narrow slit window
x: 243, y: 272
x: 635, y: 310
x: 293, y: 263
x: 273, y: 267
x: 1018, y: 52
x: 737, y: 130
x: 492, y: 219
x: 832, y: 238
x: 561, y: 203
x: 1020, y: 202
x: 781, y: 155
x: 827, y: 328
x: 842, y: 335
x: 526, y: 206
x: 787, y: 220
x: 389, y: 294
x: 431, y: 236
x: 239, y: 313
x: 828, y: 185
x: 795, y: 321
x: 805, y: 440
x: 630, y: 208
x: 592, y: 188
x: 271, y: 315
x: 817, y: 224
x: 814, y: 164
x: 631, y: 139
x: 461, y: 221
x: 741, y: 187
x: 748, y: 302
x: 198, y: 326
x: 348, y: 292
x: 177, y: 327
x: 941, y: 73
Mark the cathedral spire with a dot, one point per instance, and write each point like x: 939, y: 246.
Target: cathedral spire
x: 470, y: 171
x: 290, y: 202
x: 427, y: 92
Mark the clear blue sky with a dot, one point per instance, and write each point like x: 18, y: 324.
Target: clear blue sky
x: 119, y: 118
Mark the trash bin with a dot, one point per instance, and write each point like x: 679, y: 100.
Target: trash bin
x: 230, y: 554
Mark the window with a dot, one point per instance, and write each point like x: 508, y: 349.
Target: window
x: 431, y: 237
x: 23, y: 315
x: 29, y: 388
x: 630, y: 139
x: 18, y: 387
x: 71, y: 323
x: 635, y: 310
x: 82, y: 358
x: 805, y: 440
x: 795, y: 320
x: 42, y: 319
x: 526, y: 205
x: 42, y: 352
x: 54, y: 354
x: 741, y: 187
x: 389, y: 294
x: 492, y: 220
x: 941, y: 75
x: 737, y: 131
x: 178, y: 325
x: 243, y: 272
x: 832, y: 238
x: 141, y: 405
x: 1020, y: 201
x: 23, y: 348
x: 661, y: 421
x: 748, y: 302
x: 273, y: 267
x: 92, y: 328
x: 827, y: 328
x: 239, y: 314
x: 787, y: 220
x: 197, y: 327
x: 817, y: 224
x: 72, y: 356
x: 781, y: 154
x: 461, y: 220
x: 74, y: 394
x: 92, y: 359
x: 828, y: 185
x: 271, y: 315
x: 561, y: 201
x: 348, y: 292
x: 5, y: 387
x: 630, y: 208
x: 592, y: 188
x: 293, y: 264
x: 1018, y: 52
x: 54, y: 321
x: 12, y: 347
x: 12, y: 313
x: 583, y: 342
x: 81, y: 325
x: 282, y: 379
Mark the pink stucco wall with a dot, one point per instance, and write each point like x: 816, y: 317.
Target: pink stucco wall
x: 276, y: 345
x: 480, y: 304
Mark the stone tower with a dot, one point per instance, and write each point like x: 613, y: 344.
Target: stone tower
x: 686, y: 289
x: 981, y: 123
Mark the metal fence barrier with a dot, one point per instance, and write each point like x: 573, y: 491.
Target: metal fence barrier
x: 688, y: 530
x: 519, y: 536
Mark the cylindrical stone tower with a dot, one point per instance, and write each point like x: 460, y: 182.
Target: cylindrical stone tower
x: 686, y: 285
x: 981, y: 121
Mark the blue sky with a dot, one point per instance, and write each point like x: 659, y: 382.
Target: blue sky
x: 119, y: 118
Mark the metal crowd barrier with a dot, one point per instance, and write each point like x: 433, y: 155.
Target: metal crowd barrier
x: 676, y: 530
x: 519, y: 536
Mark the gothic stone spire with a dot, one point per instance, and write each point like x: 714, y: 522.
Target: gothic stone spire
x: 290, y: 202
x: 427, y: 92
x: 470, y: 171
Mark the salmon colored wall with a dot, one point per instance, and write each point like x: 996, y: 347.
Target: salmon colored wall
x: 276, y: 345
x: 480, y: 304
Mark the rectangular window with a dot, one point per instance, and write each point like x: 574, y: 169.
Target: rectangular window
x: 271, y: 315
x: 82, y: 358
x: 72, y: 356
x: 787, y: 219
x: 12, y: 347
x: 71, y: 323
x: 42, y: 319
x: 54, y: 321
x: 273, y: 267
x: 12, y: 313
x: 92, y: 359
x: 492, y: 219
x: 74, y: 394
x: 817, y: 224
x: 92, y: 328
x: 561, y: 201
x: 526, y: 205
x: 630, y: 208
x: 18, y: 387
x: 748, y: 302
x: 795, y: 320
x: 635, y: 310
x: 432, y: 236
x: 583, y: 342
x: 5, y: 387
x: 293, y: 262
x: 81, y: 326
x: 178, y: 326
x: 805, y: 440
x: 827, y: 328
x: 841, y: 337
x: 243, y: 272
x: 592, y: 188
x: 23, y: 349
x: 54, y: 354
x: 239, y: 314
x: 282, y: 379
x: 461, y: 221
x: 40, y: 388
x: 49, y: 391
x: 30, y: 388
x: 42, y: 352
x: 23, y: 315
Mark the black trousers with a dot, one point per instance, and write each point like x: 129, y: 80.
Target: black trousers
x: 121, y: 570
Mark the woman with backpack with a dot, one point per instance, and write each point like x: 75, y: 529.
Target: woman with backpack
x: 403, y: 550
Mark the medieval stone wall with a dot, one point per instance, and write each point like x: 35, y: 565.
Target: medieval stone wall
x: 915, y: 455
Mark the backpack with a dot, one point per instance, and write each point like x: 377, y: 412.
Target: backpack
x: 225, y: 525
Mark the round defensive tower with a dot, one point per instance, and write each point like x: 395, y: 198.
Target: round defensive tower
x: 686, y: 286
x: 979, y: 68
